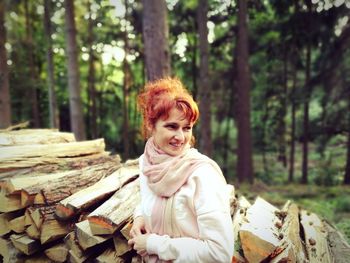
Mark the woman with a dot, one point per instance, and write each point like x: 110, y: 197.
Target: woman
x: 184, y: 214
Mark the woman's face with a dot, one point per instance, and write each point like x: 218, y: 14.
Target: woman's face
x: 173, y: 134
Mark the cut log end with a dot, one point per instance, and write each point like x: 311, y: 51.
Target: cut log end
x: 63, y: 212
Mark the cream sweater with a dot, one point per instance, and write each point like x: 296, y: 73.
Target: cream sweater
x: 202, y: 216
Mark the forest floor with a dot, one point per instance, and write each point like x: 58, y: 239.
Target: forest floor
x: 331, y: 203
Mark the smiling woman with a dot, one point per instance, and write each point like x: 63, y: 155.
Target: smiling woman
x: 184, y: 214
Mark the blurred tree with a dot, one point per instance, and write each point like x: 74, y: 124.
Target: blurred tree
x: 91, y: 77
x: 5, y: 103
x: 53, y: 109
x: 31, y: 64
x: 244, y: 151
x: 205, y: 142
x: 126, y: 86
x: 75, y: 103
x: 155, y: 37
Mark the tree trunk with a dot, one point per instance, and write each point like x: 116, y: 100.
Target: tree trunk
x: 31, y: 65
x: 205, y: 143
x: 304, y: 178
x: 155, y: 37
x: 281, y: 128
x: 126, y: 87
x: 292, y: 135
x: 75, y: 103
x: 91, y: 78
x: 54, y: 114
x: 5, y: 103
x: 244, y: 152
x: 347, y: 169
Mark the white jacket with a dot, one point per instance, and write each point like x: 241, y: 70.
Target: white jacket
x: 202, y: 216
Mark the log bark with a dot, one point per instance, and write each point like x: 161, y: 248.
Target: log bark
x: 66, y: 164
x: 13, y: 157
x: 110, y: 216
x: 57, y: 253
x: 259, y: 236
x: 315, y: 238
x: 64, y: 186
x: 340, y: 249
x: 34, y: 136
x: 89, y: 196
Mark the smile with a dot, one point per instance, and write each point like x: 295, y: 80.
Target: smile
x: 177, y: 145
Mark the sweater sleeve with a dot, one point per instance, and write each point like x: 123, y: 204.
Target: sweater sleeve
x: 211, y: 206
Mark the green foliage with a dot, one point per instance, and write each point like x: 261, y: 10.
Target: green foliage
x: 278, y: 36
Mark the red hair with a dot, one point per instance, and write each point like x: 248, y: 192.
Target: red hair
x: 159, y: 97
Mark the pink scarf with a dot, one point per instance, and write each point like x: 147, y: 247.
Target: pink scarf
x: 166, y: 175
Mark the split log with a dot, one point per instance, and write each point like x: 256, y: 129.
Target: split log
x: 33, y: 232
x: 239, y: 217
x: 315, y: 238
x: 72, y: 244
x: 5, y: 218
x: 117, y: 210
x: 109, y: 256
x: 121, y: 246
x: 57, y: 253
x: 17, y: 224
x: 340, y: 249
x: 85, y: 237
x: 9, y: 203
x: 39, y: 214
x: 21, y: 125
x: 25, y: 244
x: 125, y: 231
x: 45, y: 226
x: 89, y: 196
x: 40, y: 258
x: 293, y: 248
x: 13, y: 157
x: 73, y: 258
x: 8, y: 252
x: 259, y: 236
x: 35, y: 136
x: 57, y: 189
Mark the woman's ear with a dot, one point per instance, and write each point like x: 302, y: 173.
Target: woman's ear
x: 149, y: 128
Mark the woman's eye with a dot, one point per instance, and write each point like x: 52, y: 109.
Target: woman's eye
x: 171, y: 126
x: 188, y: 128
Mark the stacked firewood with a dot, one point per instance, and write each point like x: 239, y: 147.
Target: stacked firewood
x: 68, y: 201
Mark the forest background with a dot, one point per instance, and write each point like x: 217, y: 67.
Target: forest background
x: 271, y: 78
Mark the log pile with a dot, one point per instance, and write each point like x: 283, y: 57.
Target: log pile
x: 68, y: 201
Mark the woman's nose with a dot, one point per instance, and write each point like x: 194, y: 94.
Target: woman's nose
x: 179, y: 135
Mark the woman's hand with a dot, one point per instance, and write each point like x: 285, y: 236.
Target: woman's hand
x: 138, y: 227
x: 139, y: 243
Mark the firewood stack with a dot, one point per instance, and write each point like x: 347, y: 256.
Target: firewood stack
x: 68, y: 201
